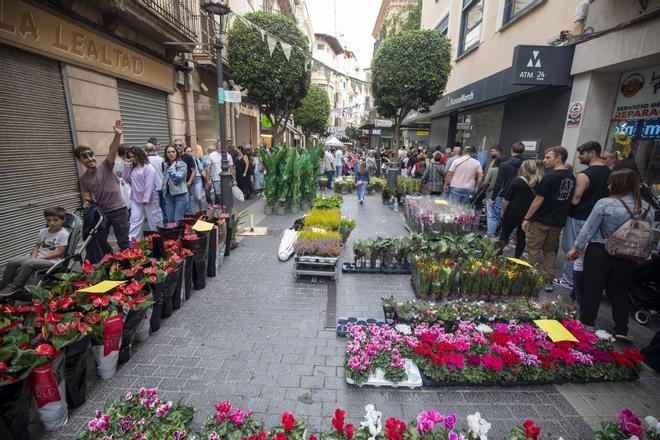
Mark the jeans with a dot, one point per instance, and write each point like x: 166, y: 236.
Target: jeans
x: 459, y: 195
x: 19, y: 269
x: 329, y: 175
x: 138, y: 212
x: 361, y: 191
x: 195, y: 197
x: 161, y: 203
x: 175, y: 206
x: 542, y: 245
x: 493, y: 210
x: 118, y: 220
x: 614, y: 275
x: 568, y: 237
x: 339, y: 169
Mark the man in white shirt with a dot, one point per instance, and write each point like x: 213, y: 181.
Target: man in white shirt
x: 215, y: 168
x: 156, y: 162
x: 339, y: 161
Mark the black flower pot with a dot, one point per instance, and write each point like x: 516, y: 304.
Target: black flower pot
x: 157, y: 312
x: 157, y: 244
x: 188, y: 276
x: 212, y: 260
x: 174, y: 233
x: 176, y: 299
x: 75, y: 372
x: 132, y: 321
x: 169, y: 287
x: 15, y: 410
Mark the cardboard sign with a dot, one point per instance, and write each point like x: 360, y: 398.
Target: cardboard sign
x: 102, y: 287
x: 112, y: 334
x: 202, y: 226
x: 555, y: 330
x: 518, y: 261
x: 44, y: 386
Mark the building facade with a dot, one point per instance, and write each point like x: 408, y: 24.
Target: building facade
x: 391, y: 15
x: 506, y: 84
x: 615, y: 98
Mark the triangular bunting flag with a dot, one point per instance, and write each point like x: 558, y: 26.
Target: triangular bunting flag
x: 286, y: 48
x: 263, y: 34
x: 272, y: 42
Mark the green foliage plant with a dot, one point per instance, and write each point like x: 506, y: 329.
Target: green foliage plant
x: 314, y: 111
x: 323, y: 218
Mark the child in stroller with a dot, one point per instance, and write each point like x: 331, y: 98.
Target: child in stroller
x: 478, y: 203
x: 645, y: 290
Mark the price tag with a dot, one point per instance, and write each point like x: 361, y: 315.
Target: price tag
x: 441, y: 202
x: 202, y: 226
x: 518, y: 261
x: 555, y: 330
x: 112, y: 334
x: 102, y: 287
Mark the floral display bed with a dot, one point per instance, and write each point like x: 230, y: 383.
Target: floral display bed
x: 481, y: 354
x: 352, y: 268
x: 344, y: 322
x: 377, y: 378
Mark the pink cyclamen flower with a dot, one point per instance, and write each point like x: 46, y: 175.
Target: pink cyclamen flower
x: 223, y: 407
x: 426, y: 421
x: 179, y: 435
x: 450, y: 421
x: 237, y: 417
x: 163, y: 409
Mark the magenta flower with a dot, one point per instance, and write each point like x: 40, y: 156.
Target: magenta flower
x: 237, y: 417
x: 426, y: 421
x: 450, y: 421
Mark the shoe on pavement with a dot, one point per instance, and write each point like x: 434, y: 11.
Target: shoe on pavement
x: 548, y: 287
x: 561, y: 282
x: 9, y: 290
x: 361, y: 202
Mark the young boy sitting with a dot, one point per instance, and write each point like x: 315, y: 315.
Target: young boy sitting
x: 46, y: 252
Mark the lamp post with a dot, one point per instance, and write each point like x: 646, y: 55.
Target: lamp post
x: 221, y: 9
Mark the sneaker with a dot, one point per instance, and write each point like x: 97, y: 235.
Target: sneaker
x: 548, y: 287
x: 623, y: 339
x: 9, y: 290
x: 561, y: 282
x: 361, y: 202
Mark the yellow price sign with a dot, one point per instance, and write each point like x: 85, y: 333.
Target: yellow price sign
x: 102, y: 287
x: 202, y: 226
x: 441, y: 202
x: 518, y: 261
x: 555, y: 330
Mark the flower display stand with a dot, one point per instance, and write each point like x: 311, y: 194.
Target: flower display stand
x: 316, y: 266
x: 344, y: 322
x: 378, y: 380
x: 352, y: 268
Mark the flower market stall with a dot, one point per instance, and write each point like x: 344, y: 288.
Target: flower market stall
x: 430, y: 215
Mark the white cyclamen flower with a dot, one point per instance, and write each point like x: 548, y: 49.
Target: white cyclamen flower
x: 484, y: 328
x: 634, y: 437
x: 603, y: 335
x: 653, y: 423
x: 477, y: 426
x: 372, y: 421
x: 404, y: 329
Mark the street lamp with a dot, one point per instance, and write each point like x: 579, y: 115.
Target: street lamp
x: 221, y: 9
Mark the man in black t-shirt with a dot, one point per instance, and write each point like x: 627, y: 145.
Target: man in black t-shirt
x: 590, y: 186
x: 547, y: 214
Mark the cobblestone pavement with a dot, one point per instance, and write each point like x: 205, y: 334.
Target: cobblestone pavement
x: 257, y: 337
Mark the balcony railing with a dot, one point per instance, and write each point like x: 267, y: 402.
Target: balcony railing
x: 271, y: 10
x: 179, y: 13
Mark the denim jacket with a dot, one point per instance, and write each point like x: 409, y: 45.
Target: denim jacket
x: 174, y: 178
x: 612, y: 215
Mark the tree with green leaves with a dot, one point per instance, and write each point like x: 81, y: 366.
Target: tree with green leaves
x: 353, y: 133
x: 274, y: 83
x: 314, y: 111
x: 410, y: 72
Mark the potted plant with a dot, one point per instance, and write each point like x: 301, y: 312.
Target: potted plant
x: 386, y: 195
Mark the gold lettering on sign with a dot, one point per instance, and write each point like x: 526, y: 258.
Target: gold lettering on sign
x: 92, y: 52
x: 28, y: 26
x: 4, y: 25
x: 138, y: 66
x: 77, y: 44
x: 104, y: 56
x: 125, y: 63
x: 58, y: 44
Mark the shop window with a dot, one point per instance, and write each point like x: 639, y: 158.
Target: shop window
x: 443, y: 26
x: 320, y: 47
x: 639, y: 139
x: 480, y: 129
x: 514, y: 8
x: 473, y: 11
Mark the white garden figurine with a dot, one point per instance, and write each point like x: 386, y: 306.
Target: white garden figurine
x: 372, y: 421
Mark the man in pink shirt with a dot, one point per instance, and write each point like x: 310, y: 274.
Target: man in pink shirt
x: 464, y: 175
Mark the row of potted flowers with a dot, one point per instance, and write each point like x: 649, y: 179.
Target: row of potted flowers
x: 143, y: 415
x: 121, y: 299
x: 504, y: 353
x: 430, y: 215
x: 448, y: 313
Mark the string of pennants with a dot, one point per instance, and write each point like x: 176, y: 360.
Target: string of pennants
x: 311, y: 63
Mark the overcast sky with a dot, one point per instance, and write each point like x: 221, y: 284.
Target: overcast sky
x: 355, y: 21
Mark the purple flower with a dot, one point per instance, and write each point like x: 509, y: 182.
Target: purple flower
x: 426, y: 421
x: 454, y: 436
x: 450, y: 421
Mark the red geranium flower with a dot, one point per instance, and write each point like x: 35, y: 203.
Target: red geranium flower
x: 531, y: 430
x: 288, y: 421
x: 349, y: 431
x: 338, y: 420
x: 394, y: 429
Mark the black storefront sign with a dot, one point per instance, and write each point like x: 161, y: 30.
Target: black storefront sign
x: 542, y: 65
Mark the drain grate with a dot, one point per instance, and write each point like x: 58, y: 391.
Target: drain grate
x: 331, y: 305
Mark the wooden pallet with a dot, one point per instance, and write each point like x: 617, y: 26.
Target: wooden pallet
x: 316, y: 266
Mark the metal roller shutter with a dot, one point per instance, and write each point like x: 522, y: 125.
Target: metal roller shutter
x: 144, y: 112
x: 38, y: 166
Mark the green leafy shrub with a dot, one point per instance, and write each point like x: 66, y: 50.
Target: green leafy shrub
x: 323, y: 218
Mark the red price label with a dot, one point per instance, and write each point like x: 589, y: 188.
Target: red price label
x: 112, y: 334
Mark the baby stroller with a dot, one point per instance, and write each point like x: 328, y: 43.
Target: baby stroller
x: 478, y: 203
x: 44, y: 278
x: 645, y: 291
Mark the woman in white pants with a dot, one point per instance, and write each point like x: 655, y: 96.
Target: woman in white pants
x: 144, y: 198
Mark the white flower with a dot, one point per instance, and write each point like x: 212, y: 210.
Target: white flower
x: 477, y: 426
x: 372, y: 421
x: 603, y: 335
x: 653, y: 423
x: 634, y: 437
x: 403, y: 328
x: 484, y: 328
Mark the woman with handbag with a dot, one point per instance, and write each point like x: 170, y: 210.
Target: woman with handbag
x: 175, y: 186
x: 617, y: 229
x: 144, y: 198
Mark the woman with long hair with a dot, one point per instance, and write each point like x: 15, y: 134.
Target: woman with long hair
x: 242, y: 166
x: 516, y: 198
x: 175, y: 186
x: 601, y: 270
x: 259, y: 174
x: 139, y: 173
x: 198, y: 181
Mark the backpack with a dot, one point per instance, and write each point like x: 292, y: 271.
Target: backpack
x: 632, y: 241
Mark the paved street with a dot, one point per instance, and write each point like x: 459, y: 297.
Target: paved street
x: 257, y: 337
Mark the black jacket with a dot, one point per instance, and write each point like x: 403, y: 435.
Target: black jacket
x: 93, y: 251
x: 507, y: 171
